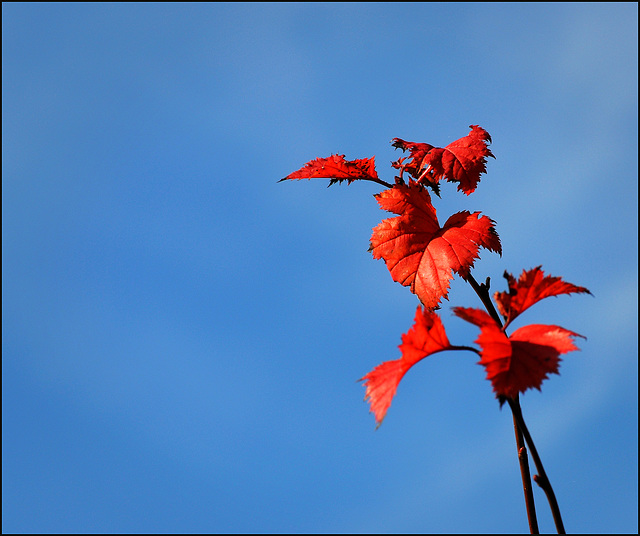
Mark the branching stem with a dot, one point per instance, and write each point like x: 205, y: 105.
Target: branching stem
x: 541, y: 478
x: 482, y: 290
x: 525, y: 474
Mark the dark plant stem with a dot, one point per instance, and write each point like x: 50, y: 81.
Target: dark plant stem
x: 541, y: 478
x: 523, y: 459
x: 483, y: 293
x: 468, y: 348
x: 380, y: 181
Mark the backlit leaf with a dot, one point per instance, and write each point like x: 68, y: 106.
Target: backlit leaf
x: 531, y: 287
x: 522, y: 360
x: 462, y: 161
x: 336, y: 168
x: 426, y: 337
x: 418, y: 252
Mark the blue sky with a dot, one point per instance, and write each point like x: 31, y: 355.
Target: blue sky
x: 182, y: 334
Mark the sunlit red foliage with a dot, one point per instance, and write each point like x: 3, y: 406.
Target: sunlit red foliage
x: 426, y: 337
x: 461, y: 161
x: 337, y: 169
x: 424, y: 256
x: 523, y: 359
x: 418, y: 252
x: 531, y: 287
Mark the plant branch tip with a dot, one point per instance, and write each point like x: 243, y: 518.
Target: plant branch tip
x: 427, y: 257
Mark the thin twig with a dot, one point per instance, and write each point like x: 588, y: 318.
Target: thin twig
x: 380, y: 181
x: 523, y: 459
x: 483, y: 293
x: 541, y: 478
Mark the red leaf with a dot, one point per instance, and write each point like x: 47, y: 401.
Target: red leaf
x: 475, y: 316
x: 337, y: 169
x: 418, y: 252
x: 461, y: 161
x: 417, y: 153
x: 531, y: 287
x: 523, y: 360
x: 427, y: 336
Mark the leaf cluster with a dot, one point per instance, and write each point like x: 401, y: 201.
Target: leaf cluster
x: 425, y: 256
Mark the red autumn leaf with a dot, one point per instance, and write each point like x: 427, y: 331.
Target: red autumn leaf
x: 461, y: 161
x: 531, y: 287
x: 418, y: 252
x: 337, y: 169
x: 427, y: 336
x: 417, y: 153
x: 522, y: 360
